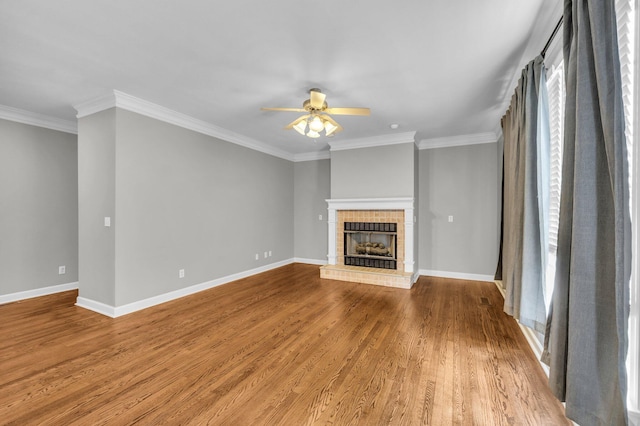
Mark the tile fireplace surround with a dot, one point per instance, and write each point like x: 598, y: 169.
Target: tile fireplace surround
x: 376, y: 210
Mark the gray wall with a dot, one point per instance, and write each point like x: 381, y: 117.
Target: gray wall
x: 311, y: 187
x: 96, y: 196
x: 375, y: 172
x: 177, y: 197
x: 459, y: 181
x: 38, y: 207
x: 184, y: 200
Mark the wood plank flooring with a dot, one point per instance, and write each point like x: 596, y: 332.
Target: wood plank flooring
x: 280, y: 348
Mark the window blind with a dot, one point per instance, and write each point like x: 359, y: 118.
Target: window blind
x: 627, y: 21
x: 555, y: 89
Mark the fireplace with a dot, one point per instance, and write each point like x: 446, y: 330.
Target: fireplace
x: 370, y: 244
x: 387, y: 225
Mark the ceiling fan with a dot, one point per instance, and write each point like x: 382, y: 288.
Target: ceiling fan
x: 317, y: 118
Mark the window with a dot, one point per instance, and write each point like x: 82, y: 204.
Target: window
x: 627, y: 16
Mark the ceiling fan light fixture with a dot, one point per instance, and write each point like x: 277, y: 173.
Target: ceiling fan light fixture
x: 329, y: 128
x: 318, y: 116
x: 301, y: 127
x: 316, y: 124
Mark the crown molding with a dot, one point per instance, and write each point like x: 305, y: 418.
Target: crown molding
x: 498, y: 131
x: 38, y: 120
x: 95, y: 105
x: 312, y: 156
x: 460, y: 140
x: 140, y: 106
x: 382, y: 140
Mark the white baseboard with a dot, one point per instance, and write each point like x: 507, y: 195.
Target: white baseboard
x: 117, y: 311
x: 535, y: 345
x: 634, y: 418
x: 309, y: 261
x: 529, y: 334
x: 456, y: 275
x: 44, y: 291
x: 95, y: 306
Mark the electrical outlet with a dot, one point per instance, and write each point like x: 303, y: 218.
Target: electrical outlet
x: 265, y: 254
x: 319, y: 217
x: 257, y: 256
x: 62, y: 270
x: 107, y: 221
x: 181, y: 273
x: 269, y: 253
x: 450, y: 218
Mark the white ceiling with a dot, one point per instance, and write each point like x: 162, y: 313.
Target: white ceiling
x: 441, y: 68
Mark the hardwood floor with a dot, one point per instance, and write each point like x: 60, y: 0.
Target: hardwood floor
x: 283, y: 347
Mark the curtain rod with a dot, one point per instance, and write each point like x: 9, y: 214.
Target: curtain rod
x: 553, y: 34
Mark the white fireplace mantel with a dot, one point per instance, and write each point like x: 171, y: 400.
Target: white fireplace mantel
x: 405, y: 204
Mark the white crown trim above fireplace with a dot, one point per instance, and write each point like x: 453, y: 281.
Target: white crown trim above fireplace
x: 405, y: 204
x: 371, y: 203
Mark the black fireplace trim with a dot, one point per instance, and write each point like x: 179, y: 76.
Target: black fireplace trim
x: 365, y: 260
x: 371, y: 226
x: 370, y: 263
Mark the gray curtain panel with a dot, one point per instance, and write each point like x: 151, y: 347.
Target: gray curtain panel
x: 586, y: 343
x: 525, y: 198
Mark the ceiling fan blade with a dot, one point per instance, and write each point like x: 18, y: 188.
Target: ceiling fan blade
x: 296, y: 121
x: 316, y: 99
x: 339, y: 129
x: 284, y: 109
x: 348, y: 111
x: 329, y: 119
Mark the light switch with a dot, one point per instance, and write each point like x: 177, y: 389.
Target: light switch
x: 107, y: 221
x: 450, y: 218
x: 319, y: 217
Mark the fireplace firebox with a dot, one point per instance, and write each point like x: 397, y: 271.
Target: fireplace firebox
x: 370, y: 244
